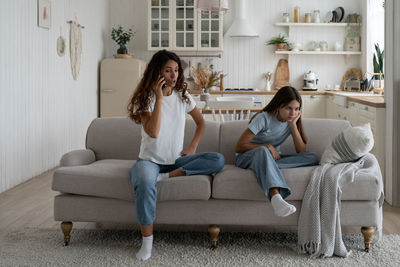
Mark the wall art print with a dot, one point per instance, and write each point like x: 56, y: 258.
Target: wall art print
x: 44, y: 13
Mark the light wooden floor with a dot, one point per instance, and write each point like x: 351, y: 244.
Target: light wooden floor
x: 31, y: 205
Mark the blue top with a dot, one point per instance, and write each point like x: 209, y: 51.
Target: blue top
x: 269, y: 130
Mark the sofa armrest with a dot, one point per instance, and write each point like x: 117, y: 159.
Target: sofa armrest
x: 77, y: 157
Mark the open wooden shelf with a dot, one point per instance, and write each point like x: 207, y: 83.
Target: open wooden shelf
x: 312, y: 24
x: 319, y: 52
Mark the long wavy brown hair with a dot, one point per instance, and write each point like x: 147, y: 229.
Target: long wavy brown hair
x: 143, y: 93
x: 283, y: 97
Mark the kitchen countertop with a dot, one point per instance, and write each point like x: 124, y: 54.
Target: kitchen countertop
x: 254, y: 92
x: 374, y: 101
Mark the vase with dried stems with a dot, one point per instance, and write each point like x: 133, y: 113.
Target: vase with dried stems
x: 206, y: 77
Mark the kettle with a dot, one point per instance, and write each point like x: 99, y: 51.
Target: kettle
x: 310, y: 81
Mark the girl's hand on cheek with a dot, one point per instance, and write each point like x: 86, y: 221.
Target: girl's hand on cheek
x: 295, y: 119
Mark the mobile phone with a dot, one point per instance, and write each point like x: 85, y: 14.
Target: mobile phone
x: 164, y: 84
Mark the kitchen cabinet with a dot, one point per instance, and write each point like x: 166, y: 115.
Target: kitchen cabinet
x: 314, y: 106
x: 177, y: 25
x: 159, y: 24
x: 335, y: 111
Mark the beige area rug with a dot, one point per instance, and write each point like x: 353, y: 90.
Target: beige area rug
x: 43, y: 247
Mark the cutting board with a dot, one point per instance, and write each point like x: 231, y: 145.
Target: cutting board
x: 282, y: 74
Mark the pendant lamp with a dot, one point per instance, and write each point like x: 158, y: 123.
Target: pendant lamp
x: 217, y: 5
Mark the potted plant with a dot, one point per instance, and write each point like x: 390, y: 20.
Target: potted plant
x: 378, y: 60
x: 377, y: 80
x: 122, y: 37
x: 280, y: 41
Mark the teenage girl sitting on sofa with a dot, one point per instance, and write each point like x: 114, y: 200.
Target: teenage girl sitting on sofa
x: 258, y: 147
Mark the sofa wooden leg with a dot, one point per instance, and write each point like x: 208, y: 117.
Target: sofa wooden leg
x: 367, y: 232
x: 66, y: 227
x: 213, y: 230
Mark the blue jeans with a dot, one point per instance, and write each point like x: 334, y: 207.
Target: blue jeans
x: 267, y: 170
x: 144, y: 175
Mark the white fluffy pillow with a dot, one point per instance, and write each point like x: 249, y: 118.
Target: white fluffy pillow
x: 351, y: 144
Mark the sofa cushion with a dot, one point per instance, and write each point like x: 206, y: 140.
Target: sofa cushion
x: 114, y: 138
x: 350, y: 145
x: 236, y: 183
x: 209, y: 141
x: 111, y: 179
x: 230, y: 133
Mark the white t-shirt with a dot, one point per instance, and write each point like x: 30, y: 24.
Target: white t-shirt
x: 167, y: 147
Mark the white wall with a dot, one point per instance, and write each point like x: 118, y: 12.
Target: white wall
x: 43, y: 111
x: 129, y: 13
x: 246, y: 60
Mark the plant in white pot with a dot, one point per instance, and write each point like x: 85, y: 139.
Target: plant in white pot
x: 378, y: 66
x: 280, y: 41
x: 122, y: 37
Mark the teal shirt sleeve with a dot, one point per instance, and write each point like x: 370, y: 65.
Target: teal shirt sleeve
x: 258, y: 124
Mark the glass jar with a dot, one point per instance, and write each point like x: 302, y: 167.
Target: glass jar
x: 316, y: 17
x: 296, y: 17
x: 307, y: 17
x: 314, y: 46
x: 323, y: 45
x: 285, y: 17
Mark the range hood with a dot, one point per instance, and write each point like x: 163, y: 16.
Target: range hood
x: 240, y: 26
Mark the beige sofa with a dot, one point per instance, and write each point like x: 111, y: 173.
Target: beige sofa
x: 94, y: 184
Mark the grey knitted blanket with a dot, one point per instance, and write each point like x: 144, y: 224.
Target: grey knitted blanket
x: 319, y: 228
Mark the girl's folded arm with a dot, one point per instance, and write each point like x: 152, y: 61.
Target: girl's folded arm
x: 243, y: 144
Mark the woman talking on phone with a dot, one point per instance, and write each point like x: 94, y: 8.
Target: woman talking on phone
x: 160, y: 104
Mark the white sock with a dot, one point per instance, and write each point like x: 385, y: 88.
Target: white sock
x: 281, y: 207
x: 145, y: 251
x: 162, y: 176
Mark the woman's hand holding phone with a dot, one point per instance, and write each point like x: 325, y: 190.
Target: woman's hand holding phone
x: 160, y: 86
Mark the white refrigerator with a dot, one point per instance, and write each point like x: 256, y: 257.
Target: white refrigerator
x: 118, y: 80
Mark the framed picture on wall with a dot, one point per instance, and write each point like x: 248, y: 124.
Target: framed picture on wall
x: 44, y: 13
